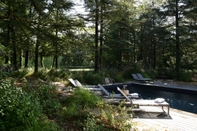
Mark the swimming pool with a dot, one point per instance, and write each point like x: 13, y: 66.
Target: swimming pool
x: 178, y: 100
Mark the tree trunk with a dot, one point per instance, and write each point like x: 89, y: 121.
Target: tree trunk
x: 14, y: 50
x: 96, y: 38
x: 134, y: 46
x: 26, y: 58
x: 8, y: 32
x: 36, y: 55
x: 15, y: 59
x: 20, y: 59
x: 37, y: 47
x: 101, y: 37
x: 56, y: 61
x: 56, y: 50
x: 178, y: 57
x: 41, y: 61
x: 6, y: 59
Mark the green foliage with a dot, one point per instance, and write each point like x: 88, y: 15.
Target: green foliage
x: 4, y: 74
x: 76, y: 105
x: 84, y: 110
x: 115, y: 74
x: 44, y: 124
x: 19, y: 110
x: 184, y: 76
x: 21, y: 73
x: 87, y: 99
x: 23, y: 108
x: 165, y: 73
x: 58, y: 73
x: 42, y: 74
x: 117, y: 117
x: 47, y: 97
x: 92, y: 78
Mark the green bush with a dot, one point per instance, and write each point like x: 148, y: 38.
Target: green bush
x: 115, y: 117
x: 184, y: 76
x: 92, y: 78
x: 80, y: 100
x: 76, y: 103
x: 47, y: 97
x: 86, y: 111
x: 58, y: 73
x: 22, y: 110
x: 19, y: 111
x: 21, y: 73
x: 42, y: 74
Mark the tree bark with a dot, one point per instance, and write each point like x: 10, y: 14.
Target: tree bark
x: 41, y: 61
x: 37, y: 47
x: 96, y: 38
x: 178, y: 57
x: 36, y: 56
x: 26, y: 58
x: 101, y: 38
x: 14, y: 50
x: 15, y: 59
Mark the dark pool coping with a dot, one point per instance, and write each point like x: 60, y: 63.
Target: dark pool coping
x: 168, y: 87
x: 159, y: 86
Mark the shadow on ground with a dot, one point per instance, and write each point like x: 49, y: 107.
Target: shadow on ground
x: 151, y: 115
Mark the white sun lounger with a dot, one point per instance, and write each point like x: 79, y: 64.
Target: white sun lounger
x: 132, y: 95
x: 141, y: 102
x: 76, y: 83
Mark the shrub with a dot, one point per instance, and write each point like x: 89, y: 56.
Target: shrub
x: 58, y: 73
x: 21, y: 73
x: 92, y: 78
x: 184, y: 76
x: 18, y: 110
x: 47, y: 97
x: 80, y: 100
x: 115, y: 117
x: 23, y: 110
x: 86, y: 111
x: 42, y: 74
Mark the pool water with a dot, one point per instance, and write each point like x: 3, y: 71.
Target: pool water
x: 177, y: 100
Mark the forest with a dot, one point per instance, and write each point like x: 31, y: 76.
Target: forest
x: 42, y: 40
x: 156, y: 35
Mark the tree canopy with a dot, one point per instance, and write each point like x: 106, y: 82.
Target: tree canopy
x: 155, y: 35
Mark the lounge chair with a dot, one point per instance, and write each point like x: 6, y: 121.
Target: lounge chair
x: 141, y: 77
x: 141, y: 102
x: 108, y: 94
x: 110, y: 81
x: 76, y: 83
x: 135, y: 77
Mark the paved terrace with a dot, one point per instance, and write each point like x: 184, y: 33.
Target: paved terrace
x: 154, y: 119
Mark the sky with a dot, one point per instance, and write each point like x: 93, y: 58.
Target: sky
x: 78, y: 8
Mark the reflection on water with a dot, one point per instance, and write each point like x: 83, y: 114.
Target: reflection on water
x: 186, y: 102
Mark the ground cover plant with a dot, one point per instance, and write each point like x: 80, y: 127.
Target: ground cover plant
x: 21, y: 111
x: 30, y: 104
x: 87, y: 111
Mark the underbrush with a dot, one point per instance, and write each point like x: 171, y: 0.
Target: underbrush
x: 86, y: 111
x: 21, y: 111
x: 40, y: 107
